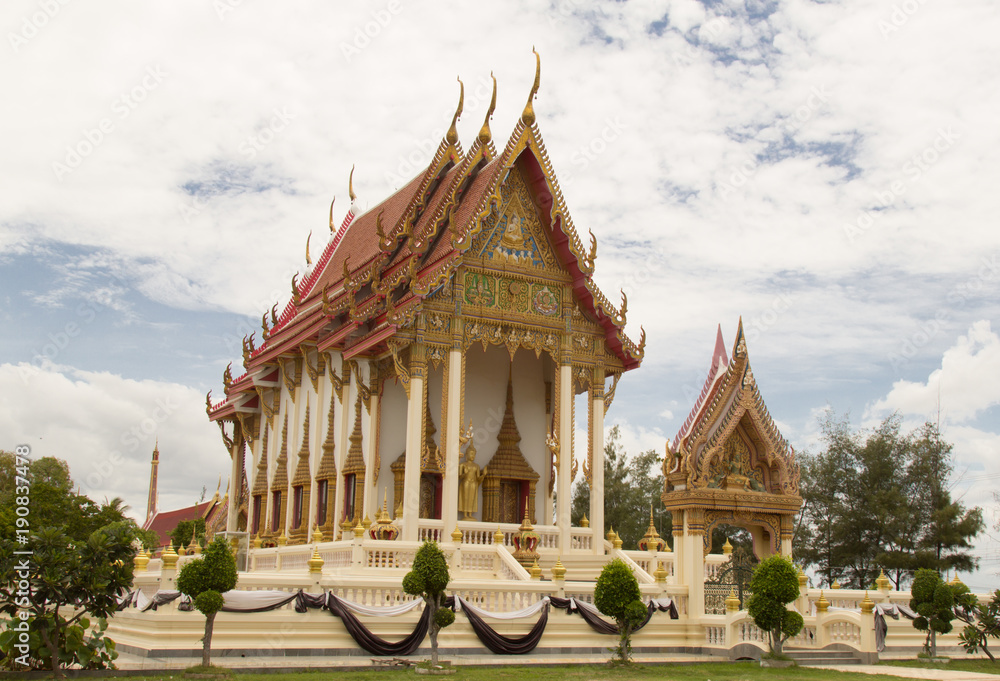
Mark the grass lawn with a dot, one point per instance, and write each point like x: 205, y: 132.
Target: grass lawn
x: 956, y: 664
x: 739, y: 671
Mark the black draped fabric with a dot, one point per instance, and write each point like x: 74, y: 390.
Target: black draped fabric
x: 304, y: 601
x: 505, y: 645
x: 372, y: 643
x: 601, y: 625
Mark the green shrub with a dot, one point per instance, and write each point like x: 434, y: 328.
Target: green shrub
x: 774, y: 584
x: 617, y: 595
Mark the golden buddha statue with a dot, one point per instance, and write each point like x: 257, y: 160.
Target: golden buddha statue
x: 470, y: 477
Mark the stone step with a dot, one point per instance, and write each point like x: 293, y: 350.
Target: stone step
x: 822, y: 657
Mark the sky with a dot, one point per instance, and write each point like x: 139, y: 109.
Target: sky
x: 824, y: 170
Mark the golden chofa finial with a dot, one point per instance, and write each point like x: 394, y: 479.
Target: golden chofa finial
x: 332, y: 228
x: 350, y: 191
x: 452, y: 135
x: 484, y: 133
x: 309, y: 261
x: 528, y: 115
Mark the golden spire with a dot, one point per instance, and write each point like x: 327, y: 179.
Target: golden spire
x: 332, y: 228
x: 350, y: 188
x: 452, y: 135
x: 484, y: 133
x: 528, y: 115
x: 309, y: 261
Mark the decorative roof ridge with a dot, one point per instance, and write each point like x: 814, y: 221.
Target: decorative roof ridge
x: 719, y: 360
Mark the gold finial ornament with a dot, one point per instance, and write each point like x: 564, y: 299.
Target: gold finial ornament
x: 456, y: 535
x: 359, y: 529
x: 141, y: 560
x: 315, y: 562
x: 332, y: 228
x: 803, y: 580
x: 660, y: 574
x: 584, y: 521
x: 867, y: 605
x: 367, y: 522
x: 194, y: 548
x: 181, y: 551
x: 836, y: 584
x: 732, y: 602
x: 452, y: 135
x: 485, y: 135
x: 610, y: 536
x: 498, y: 537
x: 618, y: 542
x: 822, y: 605
x: 727, y: 548
x: 257, y: 541
x: 536, y: 570
x: 309, y: 261
x: 350, y: 187
x: 882, y: 582
x: 317, y: 535
x: 559, y: 570
x: 169, y: 558
x: 528, y: 115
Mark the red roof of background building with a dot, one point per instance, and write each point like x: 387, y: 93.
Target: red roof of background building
x: 164, y: 522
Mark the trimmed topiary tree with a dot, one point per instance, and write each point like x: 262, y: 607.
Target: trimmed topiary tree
x: 428, y: 578
x: 205, y: 579
x: 775, y: 584
x: 934, y: 601
x: 617, y: 596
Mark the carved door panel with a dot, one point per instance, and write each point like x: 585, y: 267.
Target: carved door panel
x: 427, y: 496
x: 510, y: 494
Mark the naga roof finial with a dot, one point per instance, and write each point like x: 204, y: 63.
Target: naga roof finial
x: 332, y: 228
x: 309, y: 261
x: 350, y: 190
x: 485, y: 135
x: 528, y: 115
x: 452, y: 135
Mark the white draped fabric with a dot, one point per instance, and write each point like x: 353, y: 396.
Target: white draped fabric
x: 381, y: 611
x: 462, y: 604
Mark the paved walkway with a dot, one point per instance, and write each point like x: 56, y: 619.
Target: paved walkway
x: 938, y: 674
x: 296, y: 663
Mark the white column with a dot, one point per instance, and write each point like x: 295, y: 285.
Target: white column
x: 564, y: 497
x: 414, y: 431
x: 694, y: 559
x: 597, y: 471
x: 234, y: 481
x: 452, y: 451
x: 372, y: 499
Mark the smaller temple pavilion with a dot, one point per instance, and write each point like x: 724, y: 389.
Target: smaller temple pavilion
x: 430, y: 359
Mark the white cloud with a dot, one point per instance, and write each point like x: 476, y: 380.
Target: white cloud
x: 105, y: 427
x: 962, y: 388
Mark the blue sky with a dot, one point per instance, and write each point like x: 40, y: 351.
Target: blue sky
x: 824, y: 169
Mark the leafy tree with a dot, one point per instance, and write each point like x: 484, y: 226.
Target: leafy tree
x: 775, y: 583
x: 617, y: 595
x: 205, y: 579
x: 631, y: 484
x: 67, y: 583
x: 182, y: 533
x: 878, y: 499
x: 982, y: 622
x: 428, y: 579
x: 934, y: 601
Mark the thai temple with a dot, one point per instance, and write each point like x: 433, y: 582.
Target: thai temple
x: 424, y: 382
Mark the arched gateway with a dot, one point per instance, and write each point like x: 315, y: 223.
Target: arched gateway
x: 729, y: 465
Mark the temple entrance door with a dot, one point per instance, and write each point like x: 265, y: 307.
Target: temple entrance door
x: 732, y: 576
x: 430, y: 496
x: 510, y: 501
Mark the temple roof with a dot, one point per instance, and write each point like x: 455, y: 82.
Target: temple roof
x: 379, y: 265
x: 715, y: 373
x: 163, y: 522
